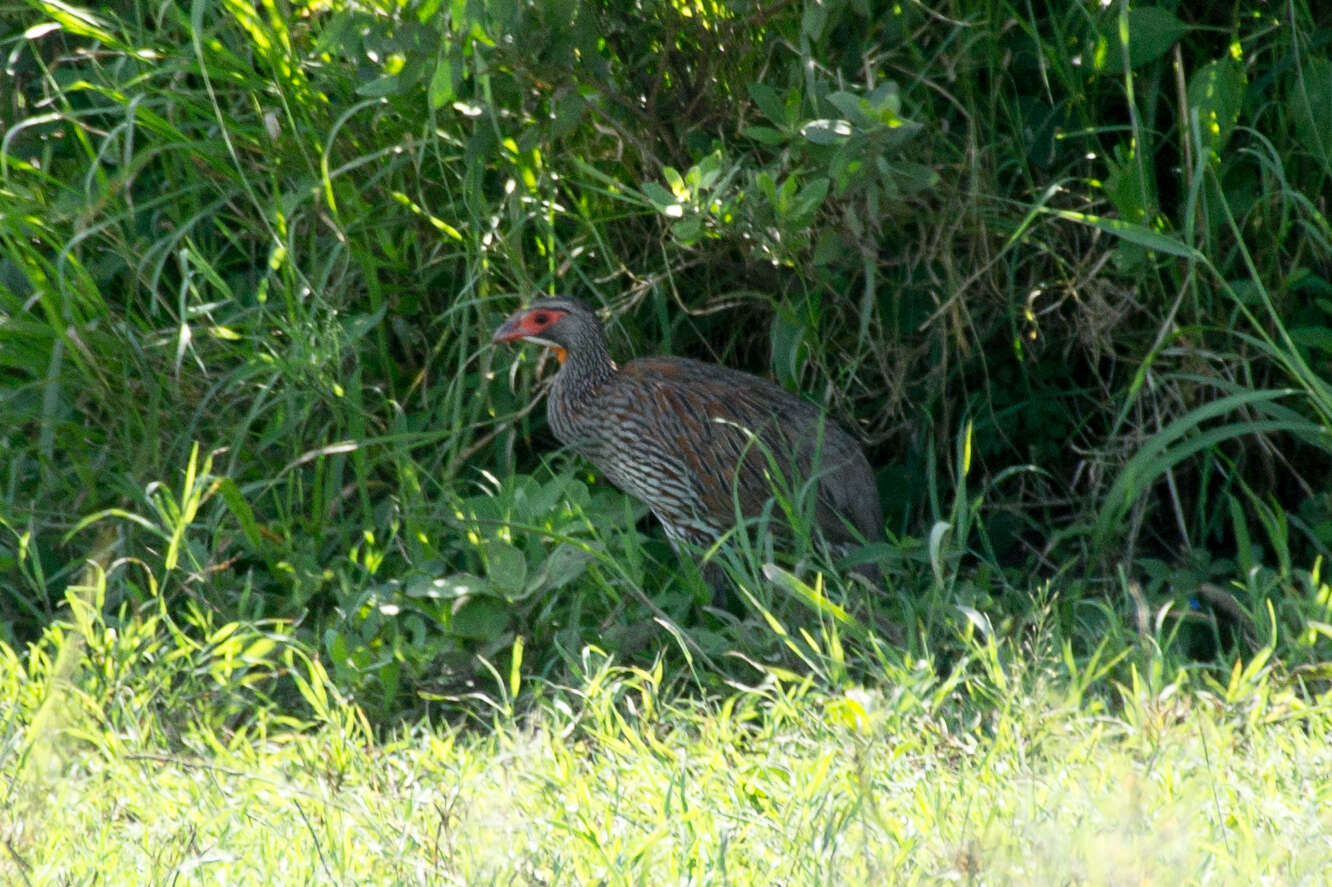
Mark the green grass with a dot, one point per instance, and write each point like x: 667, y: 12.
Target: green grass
x: 294, y: 587
x: 991, y: 777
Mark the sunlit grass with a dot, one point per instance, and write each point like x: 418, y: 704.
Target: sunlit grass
x: 613, y: 782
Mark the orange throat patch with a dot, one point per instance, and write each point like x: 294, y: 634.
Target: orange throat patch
x: 560, y: 354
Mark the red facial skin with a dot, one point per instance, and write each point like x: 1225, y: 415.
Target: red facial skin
x: 531, y: 324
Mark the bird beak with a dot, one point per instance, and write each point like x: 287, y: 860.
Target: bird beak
x: 510, y: 331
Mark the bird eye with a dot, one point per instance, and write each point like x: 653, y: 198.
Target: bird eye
x: 541, y: 318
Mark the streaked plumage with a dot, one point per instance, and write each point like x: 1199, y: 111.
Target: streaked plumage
x: 691, y: 439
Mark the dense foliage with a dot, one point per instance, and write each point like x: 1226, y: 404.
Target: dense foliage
x: 1067, y: 271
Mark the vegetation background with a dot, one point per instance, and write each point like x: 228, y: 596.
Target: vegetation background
x: 1065, y: 268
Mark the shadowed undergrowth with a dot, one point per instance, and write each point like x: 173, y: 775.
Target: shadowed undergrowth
x: 1064, y: 272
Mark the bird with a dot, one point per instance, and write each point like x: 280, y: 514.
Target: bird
x: 698, y: 443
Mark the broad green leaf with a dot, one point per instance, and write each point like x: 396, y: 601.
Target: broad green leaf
x: 829, y: 248
x: 506, y: 566
x: 810, y: 198
x: 688, y: 230
x: 847, y: 168
x: 334, y: 36
x: 707, y: 172
x: 815, y: 19
x: 1151, y: 31
x: 827, y: 131
x: 565, y: 563
x: 787, y: 335
x: 481, y: 618
x: 852, y: 106
x: 674, y: 179
x: 389, y: 84
x: 569, y: 108
x: 885, y: 100
x: 769, y: 103
x: 913, y: 178
x: 1131, y: 185
x: 1319, y: 337
x: 1310, y: 106
x: 455, y: 586
x: 1215, y: 94
x: 443, y: 88
x: 896, y: 134
x: 765, y: 135
x: 662, y: 199
x: 767, y: 187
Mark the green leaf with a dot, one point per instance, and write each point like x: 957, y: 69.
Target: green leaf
x: 815, y: 19
x: 829, y: 248
x: 1310, y: 106
x: 852, y: 106
x: 338, y: 36
x: 765, y: 135
x: 442, y: 87
x: 896, y: 134
x: 707, y: 172
x: 1319, y: 337
x: 240, y: 508
x: 1215, y: 93
x: 481, y: 618
x: 506, y: 566
x: 913, y: 178
x: 387, y: 85
x: 568, y: 108
x: 688, y: 230
x: 81, y: 22
x: 767, y: 187
x: 813, y: 598
x: 809, y: 200
x: 847, y: 167
x: 335, y: 642
x: 452, y: 587
x: 769, y: 103
x: 563, y: 565
x: 885, y: 101
x: 1137, y: 234
x: 787, y: 334
x: 660, y: 198
x: 1151, y: 31
x: 827, y: 131
x: 1131, y: 184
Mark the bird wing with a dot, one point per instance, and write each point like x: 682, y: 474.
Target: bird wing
x: 733, y: 429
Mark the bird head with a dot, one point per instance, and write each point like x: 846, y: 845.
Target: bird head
x: 560, y: 324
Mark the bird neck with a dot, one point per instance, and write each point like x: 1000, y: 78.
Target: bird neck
x: 587, y: 364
